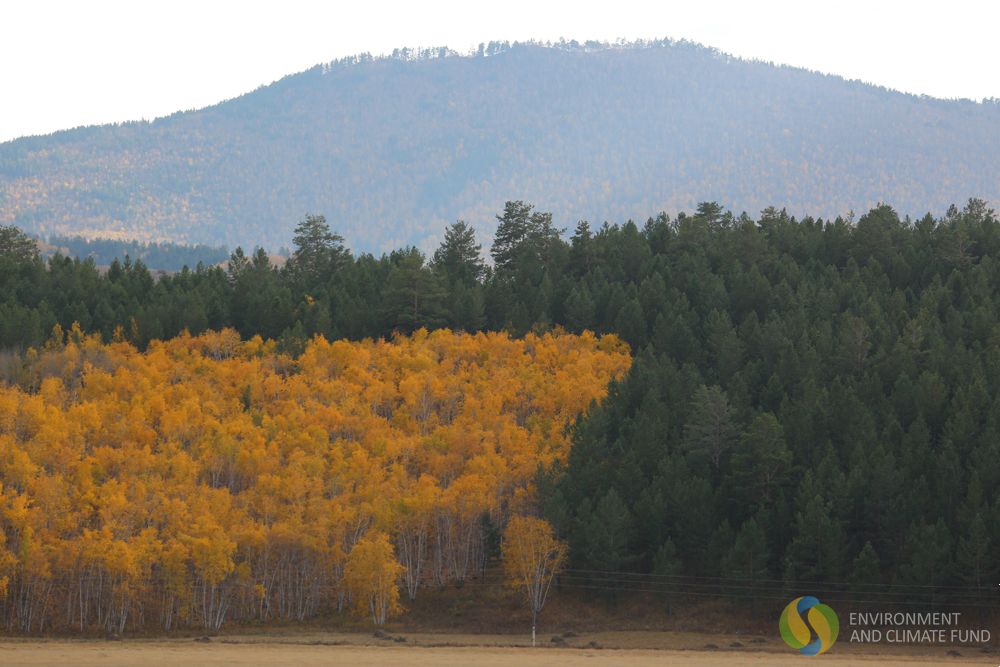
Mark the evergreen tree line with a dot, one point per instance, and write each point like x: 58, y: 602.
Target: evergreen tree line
x: 157, y: 256
x: 810, y: 401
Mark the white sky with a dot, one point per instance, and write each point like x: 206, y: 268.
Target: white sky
x: 70, y: 63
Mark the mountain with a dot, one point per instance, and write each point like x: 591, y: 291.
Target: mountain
x: 391, y: 149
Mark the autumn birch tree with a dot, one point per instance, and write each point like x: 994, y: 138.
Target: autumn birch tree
x: 532, y: 556
x: 372, y: 576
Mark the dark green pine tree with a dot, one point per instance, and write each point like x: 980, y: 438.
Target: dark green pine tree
x: 467, y: 309
x: 459, y: 258
x: 604, y: 534
x: 630, y: 325
x: 976, y: 565
x: 513, y: 227
x: 318, y: 254
x: 713, y: 214
x: 582, y: 254
x: 926, y: 561
x: 525, y: 240
x: 16, y: 246
x: 748, y: 558
x: 816, y: 552
x: 579, y: 309
x: 261, y: 301
x: 761, y: 464
x: 723, y: 345
x: 690, y: 509
x: 238, y: 263
x: 413, y: 297
x: 866, y: 570
x: 749, y: 555
x: 710, y: 432
x: 668, y: 567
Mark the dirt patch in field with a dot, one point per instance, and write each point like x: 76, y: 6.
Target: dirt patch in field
x: 595, y: 649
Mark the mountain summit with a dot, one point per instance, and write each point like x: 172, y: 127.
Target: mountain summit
x: 391, y: 149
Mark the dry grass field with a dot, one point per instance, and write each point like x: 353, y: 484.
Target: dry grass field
x: 425, y: 649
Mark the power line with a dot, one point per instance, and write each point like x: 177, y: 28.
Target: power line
x: 783, y: 582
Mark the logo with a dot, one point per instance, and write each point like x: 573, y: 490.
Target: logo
x: 808, y: 625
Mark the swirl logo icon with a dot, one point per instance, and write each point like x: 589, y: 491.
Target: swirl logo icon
x: 809, y: 625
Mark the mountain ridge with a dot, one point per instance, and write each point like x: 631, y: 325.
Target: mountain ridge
x: 392, y: 148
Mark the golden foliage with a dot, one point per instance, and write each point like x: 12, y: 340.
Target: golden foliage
x: 371, y: 577
x: 532, y: 556
x: 210, y: 478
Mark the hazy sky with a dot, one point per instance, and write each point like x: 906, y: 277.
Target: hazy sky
x: 64, y: 64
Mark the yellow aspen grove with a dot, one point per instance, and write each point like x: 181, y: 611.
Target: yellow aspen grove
x: 209, y: 480
x: 372, y: 576
x: 532, y: 557
x: 413, y: 529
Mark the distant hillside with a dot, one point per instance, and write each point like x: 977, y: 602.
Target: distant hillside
x: 391, y: 149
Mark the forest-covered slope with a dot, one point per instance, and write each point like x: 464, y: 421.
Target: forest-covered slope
x: 812, y: 405
x: 391, y: 149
